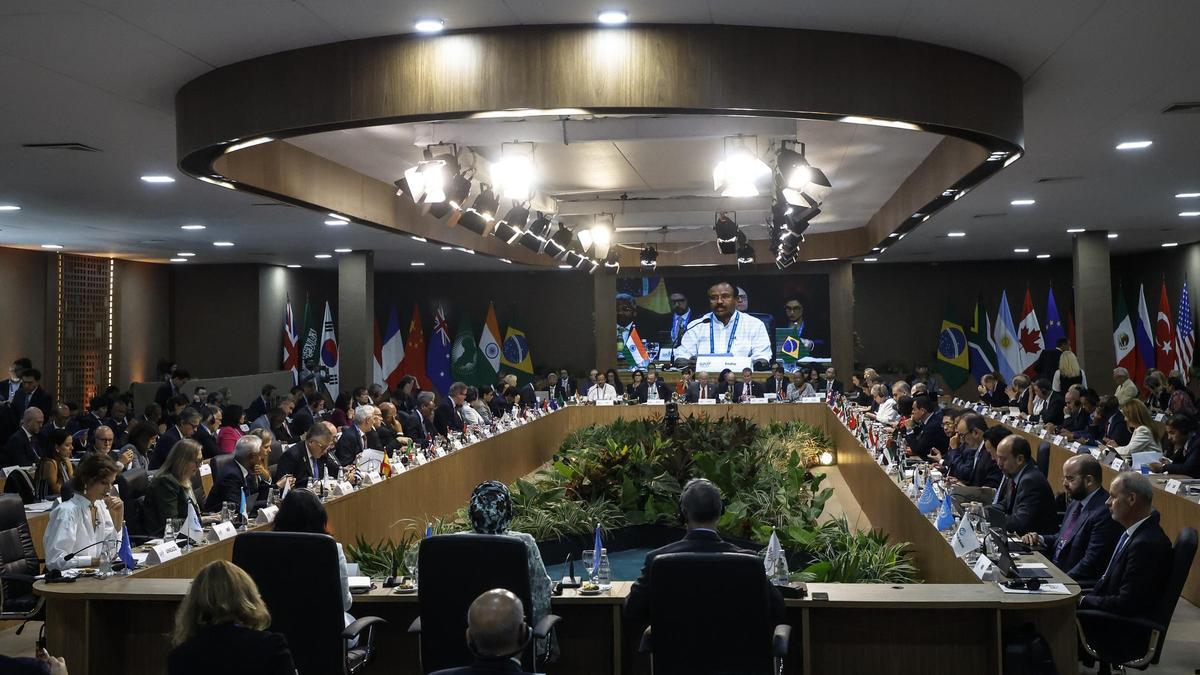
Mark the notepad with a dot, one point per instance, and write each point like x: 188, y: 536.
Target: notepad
x: 359, y: 583
x: 1141, y: 459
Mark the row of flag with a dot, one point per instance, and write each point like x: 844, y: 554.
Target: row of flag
x: 435, y: 364
x: 1002, y: 346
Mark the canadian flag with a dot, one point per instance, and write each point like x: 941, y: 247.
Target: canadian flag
x: 1029, y: 336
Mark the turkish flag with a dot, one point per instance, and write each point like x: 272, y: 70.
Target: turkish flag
x: 1165, y: 355
x: 414, y: 352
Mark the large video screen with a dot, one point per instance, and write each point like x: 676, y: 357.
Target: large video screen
x: 793, y: 309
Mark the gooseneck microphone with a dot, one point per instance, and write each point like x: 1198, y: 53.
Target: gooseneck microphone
x: 104, y: 541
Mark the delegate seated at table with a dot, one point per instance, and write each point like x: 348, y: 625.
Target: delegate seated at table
x: 1185, y: 442
x: 496, y: 634
x: 90, y: 517
x: 1084, y: 543
x: 725, y: 331
x: 1025, y: 495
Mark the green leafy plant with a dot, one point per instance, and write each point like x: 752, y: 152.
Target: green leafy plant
x: 383, y: 557
x: 849, y: 556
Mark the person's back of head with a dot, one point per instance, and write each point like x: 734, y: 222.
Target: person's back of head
x: 700, y: 503
x: 496, y: 627
x: 221, y: 594
x: 302, y: 511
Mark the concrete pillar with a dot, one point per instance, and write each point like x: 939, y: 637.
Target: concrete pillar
x: 272, y: 298
x: 604, y: 299
x: 355, y: 319
x: 1191, y: 272
x: 1094, y: 307
x: 841, y: 319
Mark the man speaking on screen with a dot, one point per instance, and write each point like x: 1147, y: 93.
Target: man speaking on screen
x: 725, y: 331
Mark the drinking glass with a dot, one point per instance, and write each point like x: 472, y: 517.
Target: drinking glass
x: 410, y: 563
x: 227, y: 511
x: 170, y: 529
x: 589, y: 562
x: 273, y: 497
x: 107, y: 550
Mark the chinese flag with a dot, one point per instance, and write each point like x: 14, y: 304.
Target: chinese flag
x: 414, y: 352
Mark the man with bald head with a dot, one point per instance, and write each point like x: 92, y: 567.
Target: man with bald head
x: 1085, y: 543
x: 496, y: 634
x: 22, y: 448
x: 1025, y: 495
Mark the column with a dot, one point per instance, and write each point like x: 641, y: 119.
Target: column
x: 1191, y: 272
x: 1093, y: 306
x: 272, y: 297
x: 355, y: 318
x: 841, y: 319
x: 604, y: 299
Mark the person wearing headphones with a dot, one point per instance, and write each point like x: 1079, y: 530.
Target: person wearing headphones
x: 496, y: 634
x: 700, y: 507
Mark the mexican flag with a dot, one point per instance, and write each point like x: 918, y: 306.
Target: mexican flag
x: 634, y: 350
x: 1123, y: 340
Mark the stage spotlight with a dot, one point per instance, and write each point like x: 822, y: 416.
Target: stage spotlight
x: 557, y: 244
x: 783, y: 260
x: 512, y: 225
x: 613, y: 261
x: 801, y: 183
x: 534, y: 238
x: 602, y: 232
x: 425, y: 182
x: 745, y: 252
x: 486, y: 203
x: 740, y: 172
x: 473, y: 221
x: 585, y: 239
x: 513, y: 175
x: 649, y: 256
x: 726, y: 228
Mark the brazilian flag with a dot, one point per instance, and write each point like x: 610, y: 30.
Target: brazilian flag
x: 953, y: 360
x: 791, y: 348
x: 514, y: 354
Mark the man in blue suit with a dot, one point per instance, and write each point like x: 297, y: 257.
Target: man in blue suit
x: 1085, y: 543
x: 1025, y: 497
x: 923, y: 431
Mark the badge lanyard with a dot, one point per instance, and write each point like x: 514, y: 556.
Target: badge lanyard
x: 712, y: 344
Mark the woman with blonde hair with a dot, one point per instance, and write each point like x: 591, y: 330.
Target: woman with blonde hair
x: 221, y: 627
x: 1137, y: 418
x: 171, y: 490
x: 1068, y: 373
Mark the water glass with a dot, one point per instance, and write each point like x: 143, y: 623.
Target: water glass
x: 589, y: 562
x: 170, y: 529
x: 410, y: 563
x: 107, y: 550
x: 273, y: 497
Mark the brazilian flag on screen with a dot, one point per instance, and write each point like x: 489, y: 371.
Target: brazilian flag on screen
x: 791, y: 348
x: 953, y: 360
x: 514, y: 354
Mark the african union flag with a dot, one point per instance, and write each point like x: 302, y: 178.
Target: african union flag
x: 791, y: 348
x: 953, y: 360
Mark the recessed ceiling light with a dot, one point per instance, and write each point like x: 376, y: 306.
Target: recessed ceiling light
x: 1020, y: 250
x: 870, y: 259
x: 420, y: 239
x: 1113, y: 235
x: 429, y: 25
x: 1023, y: 202
x: 1189, y: 214
x: 1075, y: 230
x: 191, y: 227
x: 338, y: 216
x: 9, y: 207
x: 1181, y: 195
x: 956, y: 234
x: 1043, y: 256
x: 185, y: 254
x: 1134, y: 145
x: 894, y: 234
x: 876, y: 249
x: 293, y: 267
x: 566, y: 267
x: 322, y: 256
x: 223, y: 244
x: 505, y: 260
x: 336, y: 223
x: 464, y: 250
x: 158, y: 179
x: 417, y: 264
x: 612, y: 17
x: 218, y: 182
x: 178, y: 259
x: 447, y: 248
x: 1170, y: 244
x: 52, y: 247
x: 342, y: 250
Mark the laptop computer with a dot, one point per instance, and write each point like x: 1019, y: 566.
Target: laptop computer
x: 1006, y: 563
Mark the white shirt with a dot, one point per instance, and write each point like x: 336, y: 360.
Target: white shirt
x: 750, y: 340
x: 469, y: 415
x: 887, y: 412
x: 602, y: 392
x: 652, y: 391
x: 70, y: 529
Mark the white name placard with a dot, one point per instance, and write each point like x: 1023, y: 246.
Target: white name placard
x: 342, y: 488
x: 163, y: 552
x: 758, y: 400
x: 1173, y: 486
x: 1097, y: 453
x: 1117, y: 463
x: 1058, y: 440
x: 812, y: 399
x: 715, y: 363
x: 221, y: 531
x: 267, y: 515
x: 371, y: 478
x: 983, y: 565
x: 605, y: 402
x: 707, y: 401
x: 206, y: 469
x: 770, y: 396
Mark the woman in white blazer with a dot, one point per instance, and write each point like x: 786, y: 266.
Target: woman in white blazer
x: 1137, y: 418
x: 90, y: 517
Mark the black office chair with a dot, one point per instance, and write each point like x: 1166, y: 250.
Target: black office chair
x: 1155, y: 626
x: 198, y: 487
x: 219, y: 463
x: 132, y: 486
x: 1043, y: 458
x: 451, y: 579
x: 305, y: 601
x: 711, y: 613
x: 19, y: 483
x: 19, y: 565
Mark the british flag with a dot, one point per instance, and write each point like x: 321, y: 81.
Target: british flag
x: 1185, y: 338
x: 291, y: 345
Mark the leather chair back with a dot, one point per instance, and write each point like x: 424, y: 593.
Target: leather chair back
x: 305, y: 600
x: 17, y: 555
x: 710, y: 613
x: 454, y: 570
x: 1043, y: 458
x: 132, y: 485
x: 19, y: 483
x: 219, y: 463
x: 1181, y: 563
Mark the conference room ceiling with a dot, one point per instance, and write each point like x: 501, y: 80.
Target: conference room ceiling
x: 104, y: 73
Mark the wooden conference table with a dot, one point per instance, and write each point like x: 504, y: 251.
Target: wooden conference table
x: 952, y: 623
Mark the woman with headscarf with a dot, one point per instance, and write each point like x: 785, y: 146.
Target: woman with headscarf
x: 490, y: 511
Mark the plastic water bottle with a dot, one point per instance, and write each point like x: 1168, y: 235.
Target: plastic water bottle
x: 780, y: 573
x: 604, y: 572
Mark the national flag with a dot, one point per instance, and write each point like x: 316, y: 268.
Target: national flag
x: 465, y: 356
x: 291, y: 350
x: 982, y: 356
x: 1166, y: 358
x: 657, y: 301
x: 953, y: 361
x: 329, y: 354
x: 1142, y: 339
x: 1123, y: 341
x: 437, y: 363
x: 634, y: 350
x: 489, y: 347
x: 1004, y: 338
x: 1030, y: 336
x: 392, y: 353
x: 791, y: 348
x: 1071, y: 329
x: 514, y: 354
x: 413, y: 361
x: 1185, y: 338
x: 377, y: 355
x: 309, y: 338
x: 1054, y: 325
x: 945, y: 518
x: 597, y: 550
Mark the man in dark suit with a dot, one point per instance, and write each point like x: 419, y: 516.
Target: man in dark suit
x: 172, y: 387
x: 262, y: 404
x: 652, y: 383
x: 420, y: 426
x: 447, y: 418
x: 527, y: 392
x: 189, y: 419
x: 245, y: 475
x: 1085, y: 543
x: 555, y: 387
x: 701, y: 388
x: 1047, y: 405
x: 97, y: 411
x: 1135, y: 576
x: 391, y: 428
x: 23, y: 447
x: 1047, y: 361
x: 1019, y: 392
x: 60, y: 421
x: 701, y: 507
x: 990, y: 392
x: 309, y: 459
x: 565, y: 382
x: 31, y: 395
x: 1112, y: 422
x: 118, y: 420
x: 923, y: 429
x: 204, y: 435
x: 1181, y: 431
x: 496, y: 633
x: 828, y: 382
x: 970, y: 464
x: 1025, y: 497
x: 357, y: 437
x: 746, y: 388
x: 1075, y: 418
x: 778, y: 383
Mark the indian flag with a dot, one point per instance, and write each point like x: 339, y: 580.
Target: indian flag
x: 635, y: 351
